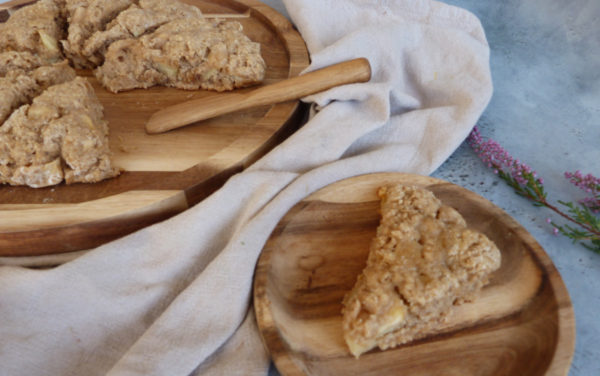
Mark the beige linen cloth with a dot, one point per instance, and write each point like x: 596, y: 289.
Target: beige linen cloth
x: 174, y: 298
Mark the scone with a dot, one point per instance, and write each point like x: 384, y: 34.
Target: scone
x: 60, y: 136
x: 85, y: 17
x: 36, y: 28
x: 186, y: 54
x: 134, y: 22
x: 18, y: 89
x: 422, y: 261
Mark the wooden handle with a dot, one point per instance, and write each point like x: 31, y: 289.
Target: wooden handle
x: 352, y: 71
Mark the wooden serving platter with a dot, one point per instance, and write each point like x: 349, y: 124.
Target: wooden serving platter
x: 522, y: 324
x: 165, y: 173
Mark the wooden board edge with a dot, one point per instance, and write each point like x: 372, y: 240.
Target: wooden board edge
x: 289, y: 35
x: 137, y: 202
x: 75, y: 237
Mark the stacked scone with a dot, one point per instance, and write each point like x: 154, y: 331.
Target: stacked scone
x: 52, y: 127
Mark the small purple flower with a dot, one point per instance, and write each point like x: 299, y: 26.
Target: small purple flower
x: 496, y: 157
x: 590, y: 185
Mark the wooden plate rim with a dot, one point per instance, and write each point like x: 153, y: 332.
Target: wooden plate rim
x: 275, y: 344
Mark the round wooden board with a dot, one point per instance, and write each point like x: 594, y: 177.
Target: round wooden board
x: 166, y: 173
x: 522, y: 324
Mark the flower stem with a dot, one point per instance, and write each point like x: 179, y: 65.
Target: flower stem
x: 525, y: 183
x: 568, y: 217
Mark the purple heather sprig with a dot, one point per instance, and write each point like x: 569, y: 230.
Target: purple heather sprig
x: 591, y: 185
x: 526, y: 183
x: 516, y: 173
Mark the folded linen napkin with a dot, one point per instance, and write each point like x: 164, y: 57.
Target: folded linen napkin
x: 173, y: 299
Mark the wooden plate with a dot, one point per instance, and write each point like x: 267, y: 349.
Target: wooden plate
x: 166, y: 173
x: 522, y: 324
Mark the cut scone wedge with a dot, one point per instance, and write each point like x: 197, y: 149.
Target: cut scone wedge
x: 134, y: 22
x: 61, y: 136
x: 20, y: 87
x: 85, y: 17
x: 422, y: 261
x: 35, y: 28
x: 186, y: 54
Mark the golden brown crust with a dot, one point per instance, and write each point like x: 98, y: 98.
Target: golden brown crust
x: 422, y: 261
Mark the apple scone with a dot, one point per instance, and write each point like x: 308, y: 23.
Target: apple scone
x: 186, y: 54
x: 84, y: 18
x: 35, y: 28
x: 60, y: 136
x: 20, y: 87
x: 134, y: 22
x: 423, y: 260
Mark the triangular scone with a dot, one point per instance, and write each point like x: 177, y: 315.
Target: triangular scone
x: 19, y: 87
x: 61, y: 135
x: 35, y: 28
x: 134, y: 22
x: 422, y: 261
x: 186, y: 54
x: 85, y: 17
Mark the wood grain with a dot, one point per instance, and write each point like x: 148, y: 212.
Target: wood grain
x: 522, y: 324
x: 163, y: 174
x: 179, y: 115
